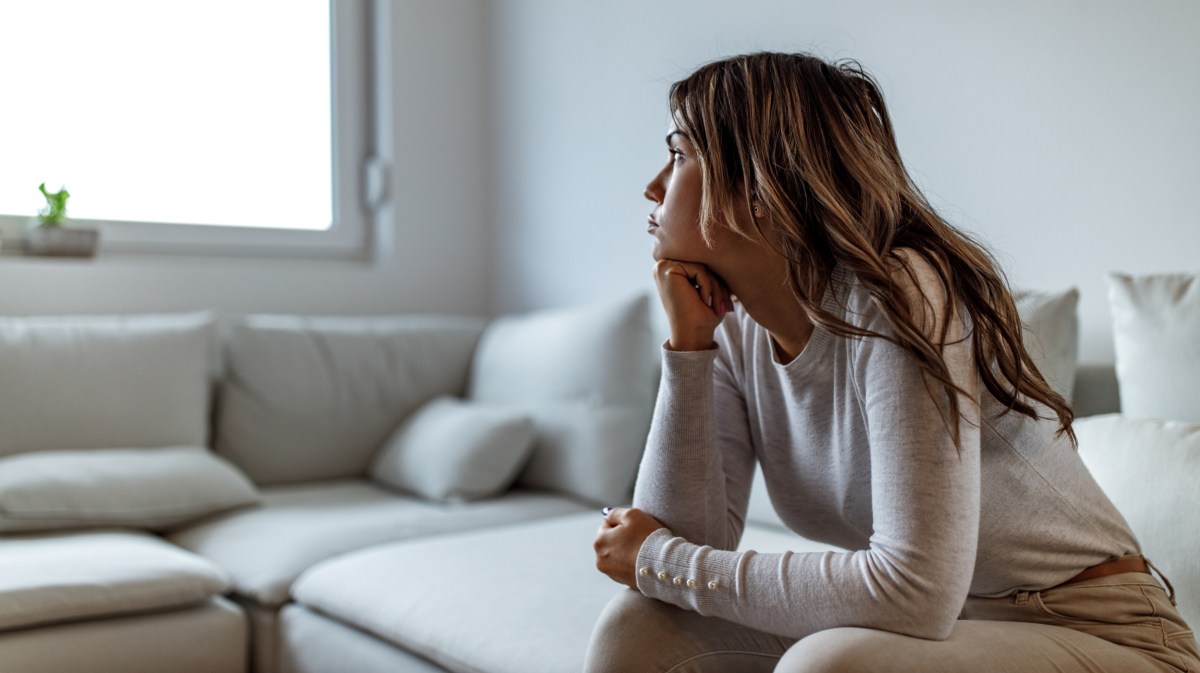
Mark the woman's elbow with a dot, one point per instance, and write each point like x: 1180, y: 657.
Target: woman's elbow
x: 930, y: 619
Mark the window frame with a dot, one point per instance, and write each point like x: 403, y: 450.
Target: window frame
x: 358, y: 174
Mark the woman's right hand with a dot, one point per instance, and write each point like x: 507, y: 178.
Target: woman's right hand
x: 695, y: 300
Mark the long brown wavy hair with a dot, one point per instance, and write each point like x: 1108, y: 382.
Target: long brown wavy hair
x: 810, y: 144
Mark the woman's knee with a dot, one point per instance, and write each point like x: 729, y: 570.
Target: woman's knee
x: 640, y: 634
x: 840, y: 650
x: 627, y: 627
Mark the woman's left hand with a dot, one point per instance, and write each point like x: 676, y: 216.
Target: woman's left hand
x: 619, y: 540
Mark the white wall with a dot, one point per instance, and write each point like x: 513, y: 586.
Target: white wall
x: 1063, y: 132
x: 439, y: 261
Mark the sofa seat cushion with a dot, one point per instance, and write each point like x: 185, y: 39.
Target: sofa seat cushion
x: 210, y: 637
x: 313, y: 643
x: 47, y: 578
x: 467, y: 601
x: 265, y: 549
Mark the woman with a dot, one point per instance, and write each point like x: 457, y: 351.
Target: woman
x: 873, y: 366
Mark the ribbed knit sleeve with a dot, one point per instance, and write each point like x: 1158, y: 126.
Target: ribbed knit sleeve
x: 696, y: 473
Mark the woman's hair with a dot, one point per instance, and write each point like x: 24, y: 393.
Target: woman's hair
x: 810, y: 146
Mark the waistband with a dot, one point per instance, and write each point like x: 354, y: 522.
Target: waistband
x: 1126, y: 564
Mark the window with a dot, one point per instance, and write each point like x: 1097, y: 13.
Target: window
x: 218, y: 126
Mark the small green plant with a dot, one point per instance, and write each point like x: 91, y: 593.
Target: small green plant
x: 55, y: 212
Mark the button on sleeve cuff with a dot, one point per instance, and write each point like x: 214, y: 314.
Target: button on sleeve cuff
x: 686, y: 575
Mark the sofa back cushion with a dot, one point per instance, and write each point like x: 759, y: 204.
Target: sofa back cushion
x: 306, y: 399
x: 1150, y: 469
x: 1156, y: 335
x: 1051, y: 335
x: 84, y: 382
x: 587, y: 376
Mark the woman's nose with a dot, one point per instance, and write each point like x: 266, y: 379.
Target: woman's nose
x: 654, y: 190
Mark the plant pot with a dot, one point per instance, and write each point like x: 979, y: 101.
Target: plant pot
x: 57, y: 241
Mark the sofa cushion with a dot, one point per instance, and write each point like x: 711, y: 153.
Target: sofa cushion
x: 96, y: 382
x: 207, y: 638
x: 265, y: 548
x: 307, y: 399
x: 1156, y: 335
x: 153, y: 489
x: 444, y: 600
x: 1096, y: 390
x: 451, y: 449
x: 759, y: 509
x: 1150, y: 469
x: 587, y: 376
x: 1052, y: 335
x: 466, y: 602
x: 312, y: 643
x: 47, y: 578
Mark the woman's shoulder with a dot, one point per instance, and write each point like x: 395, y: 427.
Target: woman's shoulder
x: 914, y: 274
x: 913, y: 286
x: 913, y: 278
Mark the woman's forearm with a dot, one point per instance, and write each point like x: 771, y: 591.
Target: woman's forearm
x: 686, y: 480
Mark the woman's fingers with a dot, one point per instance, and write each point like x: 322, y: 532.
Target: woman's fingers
x: 695, y: 300
x: 697, y: 276
x: 612, y: 516
x: 618, y: 541
x: 723, y: 301
x: 706, y: 285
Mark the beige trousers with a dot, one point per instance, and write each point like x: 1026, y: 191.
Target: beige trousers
x: 1117, y: 624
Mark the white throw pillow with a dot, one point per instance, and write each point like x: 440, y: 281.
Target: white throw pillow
x: 151, y: 489
x: 1150, y: 469
x: 588, y: 376
x: 1156, y: 334
x: 1052, y: 335
x: 454, y: 450
x: 84, y: 382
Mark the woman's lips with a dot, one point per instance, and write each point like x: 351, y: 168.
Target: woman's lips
x: 653, y: 225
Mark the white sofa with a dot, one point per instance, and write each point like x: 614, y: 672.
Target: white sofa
x: 350, y: 517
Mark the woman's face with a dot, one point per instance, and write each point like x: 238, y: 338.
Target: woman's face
x: 676, y: 192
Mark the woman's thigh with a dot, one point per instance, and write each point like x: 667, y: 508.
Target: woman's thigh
x: 636, y: 634
x: 973, y: 647
x: 1122, y: 623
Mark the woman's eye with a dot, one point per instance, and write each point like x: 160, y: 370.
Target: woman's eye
x: 676, y: 155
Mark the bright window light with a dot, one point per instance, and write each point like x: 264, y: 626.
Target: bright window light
x: 214, y: 112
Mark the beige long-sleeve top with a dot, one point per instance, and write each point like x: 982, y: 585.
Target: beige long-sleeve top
x: 855, y: 453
